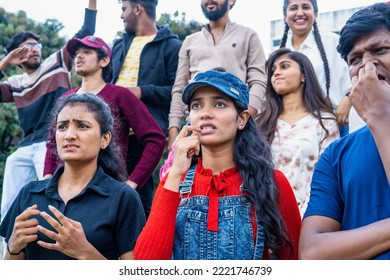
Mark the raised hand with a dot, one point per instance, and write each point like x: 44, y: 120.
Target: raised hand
x: 25, y: 230
x: 370, y: 95
x: 69, y: 237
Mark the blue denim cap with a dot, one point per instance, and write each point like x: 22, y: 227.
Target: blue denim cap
x: 226, y: 82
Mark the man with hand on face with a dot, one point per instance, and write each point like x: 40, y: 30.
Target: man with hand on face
x: 348, y: 215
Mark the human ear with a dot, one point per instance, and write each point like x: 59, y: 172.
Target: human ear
x: 105, y: 141
x: 243, y: 119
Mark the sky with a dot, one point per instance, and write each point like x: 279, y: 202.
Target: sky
x: 252, y: 13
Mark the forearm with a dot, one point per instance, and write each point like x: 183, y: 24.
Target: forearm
x: 358, y: 244
x: 156, y: 239
x: 3, y: 64
x: 177, y: 110
x: 154, y: 146
x: 92, y: 4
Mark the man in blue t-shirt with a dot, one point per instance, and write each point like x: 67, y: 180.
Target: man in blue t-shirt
x: 348, y: 216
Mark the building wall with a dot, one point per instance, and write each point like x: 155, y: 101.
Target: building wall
x: 327, y: 22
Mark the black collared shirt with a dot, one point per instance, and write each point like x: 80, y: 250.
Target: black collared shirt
x: 110, y: 212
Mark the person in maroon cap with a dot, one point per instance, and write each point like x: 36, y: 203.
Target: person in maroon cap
x: 34, y: 92
x: 92, y: 62
x: 84, y: 211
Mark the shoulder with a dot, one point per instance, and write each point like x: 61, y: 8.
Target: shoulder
x: 117, y: 42
x: 33, y: 187
x: 116, y: 92
x: 119, y: 189
x: 165, y: 32
x: 194, y: 36
x: 241, y: 28
x: 281, y: 180
x: 330, y: 41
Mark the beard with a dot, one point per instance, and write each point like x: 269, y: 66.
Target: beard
x: 33, y: 65
x: 218, y: 13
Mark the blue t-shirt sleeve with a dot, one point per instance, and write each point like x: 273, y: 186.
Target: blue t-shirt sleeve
x: 325, y: 198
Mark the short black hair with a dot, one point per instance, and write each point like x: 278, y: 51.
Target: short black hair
x: 149, y: 6
x: 361, y: 23
x: 19, y: 38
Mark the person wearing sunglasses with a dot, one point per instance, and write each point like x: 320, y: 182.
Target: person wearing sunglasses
x: 34, y: 93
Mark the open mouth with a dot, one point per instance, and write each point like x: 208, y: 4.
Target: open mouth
x: 70, y: 146
x: 206, y: 128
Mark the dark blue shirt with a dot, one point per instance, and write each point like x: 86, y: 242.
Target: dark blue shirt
x: 349, y: 184
x: 110, y: 212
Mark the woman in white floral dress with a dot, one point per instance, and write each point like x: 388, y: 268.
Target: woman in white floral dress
x: 297, y: 119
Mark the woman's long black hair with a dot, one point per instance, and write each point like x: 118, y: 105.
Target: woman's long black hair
x: 109, y: 158
x: 313, y: 97
x: 253, y: 157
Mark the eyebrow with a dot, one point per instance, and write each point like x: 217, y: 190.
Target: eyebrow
x: 72, y: 120
x: 214, y: 97
x: 372, y: 45
x: 284, y: 61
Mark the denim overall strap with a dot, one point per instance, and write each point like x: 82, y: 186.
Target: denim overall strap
x: 235, y: 240
x: 185, y: 186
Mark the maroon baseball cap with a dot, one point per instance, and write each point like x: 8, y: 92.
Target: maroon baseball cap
x: 88, y: 41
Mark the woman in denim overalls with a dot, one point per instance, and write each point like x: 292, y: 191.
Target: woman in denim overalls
x: 229, y: 203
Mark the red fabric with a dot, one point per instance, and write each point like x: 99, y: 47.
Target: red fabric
x: 128, y: 112
x: 156, y: 240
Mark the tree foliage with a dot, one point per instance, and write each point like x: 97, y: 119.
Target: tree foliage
x: 179, y: 25
x: 11, y: 23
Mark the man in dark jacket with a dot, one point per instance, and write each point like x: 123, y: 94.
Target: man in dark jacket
x: 145, y: 61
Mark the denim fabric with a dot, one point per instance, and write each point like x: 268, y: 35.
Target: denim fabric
x: 21, y: 167
x: 234, y: 239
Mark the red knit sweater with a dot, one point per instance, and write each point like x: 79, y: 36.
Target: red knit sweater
x: 128, y: 112
x: 156, y: 239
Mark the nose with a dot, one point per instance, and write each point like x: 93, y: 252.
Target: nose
x: 368, y: 57
x: 207, y: 112
x: 78, y: 54
x: 299, y: 11
x: 276, y: 72
x: 70, y: 134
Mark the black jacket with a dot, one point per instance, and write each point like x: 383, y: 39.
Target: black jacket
x: 157, y: 70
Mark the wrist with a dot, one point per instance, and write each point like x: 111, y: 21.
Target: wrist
x: 11, y: 253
